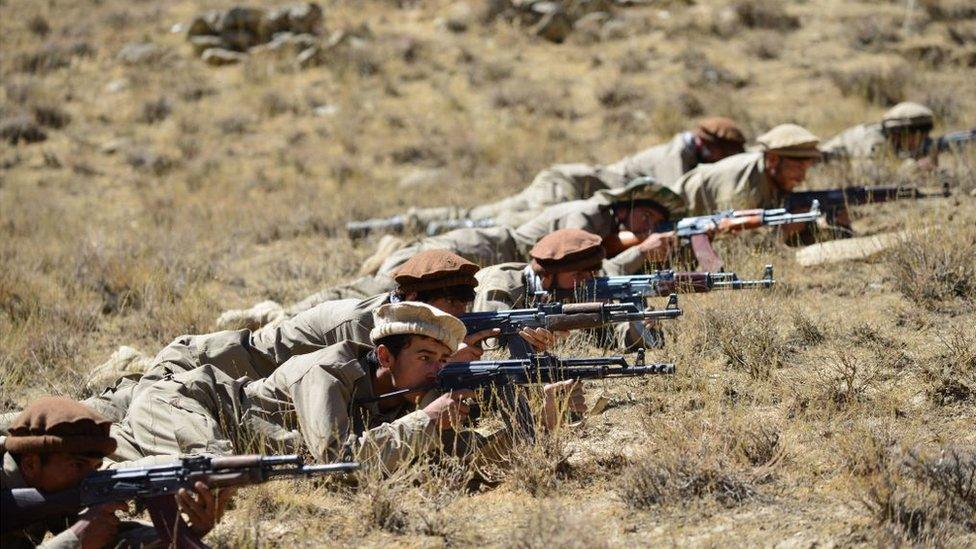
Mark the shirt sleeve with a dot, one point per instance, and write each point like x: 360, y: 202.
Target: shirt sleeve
x: 65, y: 540
x: 627, y: 262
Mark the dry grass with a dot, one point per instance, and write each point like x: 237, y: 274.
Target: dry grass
x: 838, y: 405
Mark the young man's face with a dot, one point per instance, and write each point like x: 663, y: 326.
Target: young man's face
x: 787, y: 173
x: 418, y: 362
x: 59, y: 471
x: 910, y: 141
x: 453, y: 306
x: 640, y: 219
x: 567, y: 280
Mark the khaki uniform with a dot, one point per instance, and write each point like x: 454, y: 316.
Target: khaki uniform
x: 207, y: 411
x: 33, y: 535
x: 593, y: 215
x: 739, y: 181
x: 480, y: 246
x: 666, y: 162
x: 243, y: 354
x: 863, y: 141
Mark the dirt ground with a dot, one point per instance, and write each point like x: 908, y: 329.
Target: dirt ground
x: 835, y: 409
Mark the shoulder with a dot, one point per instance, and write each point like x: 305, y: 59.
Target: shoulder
x: 343, y: 361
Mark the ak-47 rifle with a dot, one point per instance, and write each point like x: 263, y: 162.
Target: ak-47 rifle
x: 834, y: 200
x: 360, y: 229
x: 155, y: 486
x: 698, y: 230
x: 949, y: 141
x: 532, y: 369
x: 635, y: 289
x: 562, y: 317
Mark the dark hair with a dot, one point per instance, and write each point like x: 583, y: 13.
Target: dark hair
x: 462, y: 292
x: 642, y: 203
x: 394, y: 343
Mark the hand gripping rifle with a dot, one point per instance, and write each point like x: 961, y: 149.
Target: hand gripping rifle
x: 699, y: 230
x: 155, y: 486
x: 562, y: 317
x: 635, y: 289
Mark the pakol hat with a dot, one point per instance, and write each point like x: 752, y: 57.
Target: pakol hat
x: 432, y: 269
x: 568, y: 250
x: 791, y: 141
x: 720, y: 130
x: 58, y: 424
x: 645, y: 190
x: 908, y: 115
x: 415, y: 318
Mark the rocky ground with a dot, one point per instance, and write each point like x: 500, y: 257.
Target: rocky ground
x: 145, y: 189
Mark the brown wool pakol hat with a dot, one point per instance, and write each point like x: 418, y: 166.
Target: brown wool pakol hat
x: 415, y: 318
x: 435, y: 269
x: 568, y: 250
x: 790, y: 140
x: 58, y: 424
x: 721, y: 130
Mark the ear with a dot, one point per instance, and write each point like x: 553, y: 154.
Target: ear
x: 547, y: 279
x: 772, y: 160
x: 385, y: 357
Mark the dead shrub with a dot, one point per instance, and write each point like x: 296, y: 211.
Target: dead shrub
x: 679, y: 481
x: 924, y: 499
x: 619, y: 94
x: 932, y: 269
x: 274, y: 104
x: 52, y: 56
x: 944, y: 103
x: 805, y: 331
x: 764, y: 45
x: 874, y: 33
x: 555, y: 526
x: 51, y: 116
x: 748, y: 341
x: 953, y: 371
x: 533, y: 99
x: 845, y: 380
x: 949, y: 10
x: 765, y: 14
x: 39, y: 26
x: 155, y: 111
x: 881, y: 81
x: 760, y: 445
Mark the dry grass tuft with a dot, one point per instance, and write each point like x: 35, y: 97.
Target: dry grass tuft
x: 935, y: 270
x: 882, y: 81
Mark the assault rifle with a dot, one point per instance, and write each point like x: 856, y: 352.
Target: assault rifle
x: 834, y: 200
x: 698, y: 230
x: 635, y: 289
x: 532, y: 369
x: 949, y: 141
x: 360, y: 229
x: 562, y: 317
x: 155, y: 486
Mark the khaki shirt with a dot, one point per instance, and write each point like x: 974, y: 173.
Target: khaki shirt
x: 594, y: 215
x: 503, y: 287
x: 310, y: 398
x: 323, y: 325
x: 739, y: 182
x: 863, y: 141
x: 33, y: 535
x: 666, y: 162
x: 479, y: 246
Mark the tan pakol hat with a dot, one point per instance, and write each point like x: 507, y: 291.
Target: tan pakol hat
x: 790, y: 140
x: 415, y: 318
x: 645, y: 189
x: 568, y: 250
x: 58, y: 424
x: 719, y: 129
x: 432, y: 269
x: 908, y: 115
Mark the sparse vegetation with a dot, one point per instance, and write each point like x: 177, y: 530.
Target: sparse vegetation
x: 138, y: 201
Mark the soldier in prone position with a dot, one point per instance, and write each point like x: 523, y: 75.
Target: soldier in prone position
x: 52, y: 446
x: 330, y: 394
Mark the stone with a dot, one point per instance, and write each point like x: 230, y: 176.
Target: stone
x: 305, y: 18
x: 554, y: 26
x: 240, y: 39
x: 250, y: 319
x: 219, y: 57
x: 117, y: 85
x: 113, y: 146
x: 21, y: 129
x: 135, y: 53
x: 326, y: 111
x: 203, y: 43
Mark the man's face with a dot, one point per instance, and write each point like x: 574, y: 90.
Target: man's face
x: 451, y: 305
x: 910, y: 141
x: 59, y: 471
x: 418, y: 362
x: 569, y: 280
x: 787, y: 172
x: 640, y: 219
